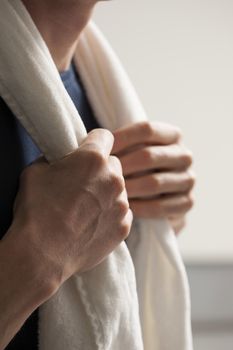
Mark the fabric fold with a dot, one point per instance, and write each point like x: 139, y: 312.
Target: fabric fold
x: 99, y: 309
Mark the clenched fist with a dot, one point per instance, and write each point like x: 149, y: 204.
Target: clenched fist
x: 68, y: 216
x: 73, y: 213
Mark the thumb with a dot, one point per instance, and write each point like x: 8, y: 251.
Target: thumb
x: 99, y: 140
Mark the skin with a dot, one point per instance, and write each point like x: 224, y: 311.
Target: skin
x: 60, y: 23
x: 170, y: 191
x: 52, y: 202
x: 156, y: 166
x: 139, y: 161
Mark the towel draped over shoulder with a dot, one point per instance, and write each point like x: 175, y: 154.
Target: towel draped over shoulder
x: 106, y: 308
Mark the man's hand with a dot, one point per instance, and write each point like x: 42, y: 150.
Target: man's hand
x: 156, y: 167
x: 68, y: 217
x: 75, y: 211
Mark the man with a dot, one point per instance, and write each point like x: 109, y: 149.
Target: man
x: 142, y: 168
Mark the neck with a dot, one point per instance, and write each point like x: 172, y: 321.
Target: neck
x: 60, y: 23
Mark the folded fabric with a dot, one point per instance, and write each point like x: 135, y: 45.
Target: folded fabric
x: 98, y: 309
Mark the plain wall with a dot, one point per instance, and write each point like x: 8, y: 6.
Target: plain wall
x: 179, y: 54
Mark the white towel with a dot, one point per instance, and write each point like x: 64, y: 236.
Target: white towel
x: 99, y: 309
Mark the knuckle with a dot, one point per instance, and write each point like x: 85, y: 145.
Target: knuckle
x: 123, y: 207
x: 147, y: 154
x: 190, y: 202
x: 117, y: 163
x: 101, y: 132
x: 125, y: 225
x: 96, y: 158
x: 124, y: 230
x: 106, y: 133
x: 147, y: 128
x: 156, y: 181
x: 191, y: 179
x: 187, y: 158
x: 117, y: 182
x: 161, y: 153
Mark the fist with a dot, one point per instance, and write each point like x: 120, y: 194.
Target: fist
x: 73, y: 213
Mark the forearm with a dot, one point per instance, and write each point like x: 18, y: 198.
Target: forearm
x: 21, y: 290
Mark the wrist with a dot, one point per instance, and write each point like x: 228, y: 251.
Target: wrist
x: 26, y: 284
x: 22, y: 290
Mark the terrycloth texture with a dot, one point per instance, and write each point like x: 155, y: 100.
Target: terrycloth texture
x: 98, y: 310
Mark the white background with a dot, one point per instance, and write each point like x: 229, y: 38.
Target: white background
x: 179, y: 54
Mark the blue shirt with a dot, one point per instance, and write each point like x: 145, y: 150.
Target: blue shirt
x: 17, y: 150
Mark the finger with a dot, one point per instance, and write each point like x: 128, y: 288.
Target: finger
x: 127, y: 223
x: 145, y: 133
x: 99, y: 140
x: 160, y: 183
x: 178, y: 223
x: 122, y: 205
x: 115, y: 165
x: 116, y: 177
x: 173, y: 157
x: 161, y: 207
